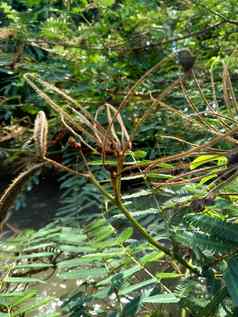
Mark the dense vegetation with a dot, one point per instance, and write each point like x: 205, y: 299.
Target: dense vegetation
x: 133, y: 105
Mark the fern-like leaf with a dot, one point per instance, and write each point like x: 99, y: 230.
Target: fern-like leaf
x: 216, y: 227
x: 202, y: 241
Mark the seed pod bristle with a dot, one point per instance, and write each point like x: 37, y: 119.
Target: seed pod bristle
x: 40, y: 134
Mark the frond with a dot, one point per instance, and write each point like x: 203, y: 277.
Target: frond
x: 104, y: 261
x: 199, y: 240
x: 220, y: 229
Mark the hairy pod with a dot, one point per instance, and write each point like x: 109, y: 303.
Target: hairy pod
x: 40, y: 134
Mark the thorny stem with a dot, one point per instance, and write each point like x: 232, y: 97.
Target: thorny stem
x: 118, y: 202
x: 184, y: 154
x: 65, y: 168
x: 135, y: 224
x: 149, y: 238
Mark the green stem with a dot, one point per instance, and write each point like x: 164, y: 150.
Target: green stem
x: 183, y: 313
x: 136, y: 225
x: 149, y: 238
x: 117, y: 201
x: 101, y: 188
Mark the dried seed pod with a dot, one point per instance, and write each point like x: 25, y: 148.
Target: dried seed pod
x: 6, y: 32
x: 186, y: 59
x: 40, y: 134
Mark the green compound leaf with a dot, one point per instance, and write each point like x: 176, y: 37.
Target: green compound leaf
x: 231, y: 279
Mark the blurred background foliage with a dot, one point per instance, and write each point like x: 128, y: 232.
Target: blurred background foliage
x: 95, y: 51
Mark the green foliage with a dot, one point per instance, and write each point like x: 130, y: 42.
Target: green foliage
x: 177, y: 186
x: 230, y: 277
x: 214, y: 226
x: 203, y: 159
x: 106, y: 263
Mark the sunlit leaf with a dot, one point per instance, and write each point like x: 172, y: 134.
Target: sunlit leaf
x: 203, y: 159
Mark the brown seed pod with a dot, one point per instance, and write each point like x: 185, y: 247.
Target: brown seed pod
x: 186, y: 59
x: 40, y: 134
